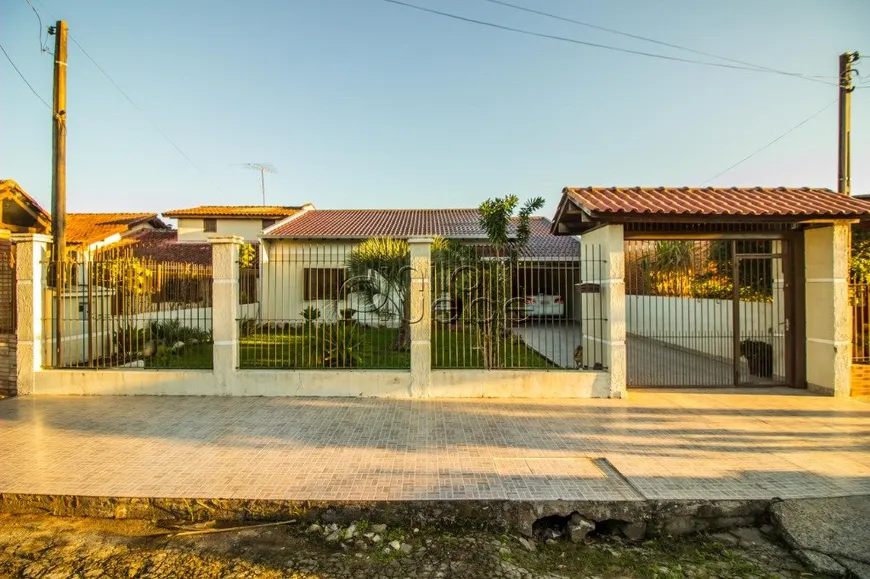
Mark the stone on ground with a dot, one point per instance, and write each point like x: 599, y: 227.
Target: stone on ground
x: 578, y: 527
x: 837, y: 527
x: 821, y: 563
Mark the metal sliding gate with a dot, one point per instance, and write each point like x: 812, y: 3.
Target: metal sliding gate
x: 708, y: 313
x: 8, y: 374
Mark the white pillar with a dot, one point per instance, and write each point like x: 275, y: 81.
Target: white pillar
x: 225, y: 306
x: 421, y: 316
x: 603, y: 264
x: 31, y: 253
x: 828, y: 313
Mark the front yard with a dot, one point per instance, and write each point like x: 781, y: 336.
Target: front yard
x: 311, y: 349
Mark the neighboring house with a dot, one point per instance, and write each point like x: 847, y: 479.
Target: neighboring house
x: 304, y: 256
x: 19, y: 212
x: 162, y: 245
x: 88, y: 232
x: 247, y: 221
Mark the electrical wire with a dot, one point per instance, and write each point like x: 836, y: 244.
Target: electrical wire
x: 585, y: 43
x: 137, y: 107
x: 33, y: 90
x: 814, y: 78
x: 773, y: 142
x: 43, y: 45
x: 141, y: 112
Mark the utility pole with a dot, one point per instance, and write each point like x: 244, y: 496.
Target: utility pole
x: 58, y: 179
x: 844, y: 166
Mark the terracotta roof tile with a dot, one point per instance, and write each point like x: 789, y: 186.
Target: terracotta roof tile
x: 754, y: 202
x: 85, y: 228
x: 241, y: 211
x: 163, y: 245
x: 361, y: 223
x: 404, y: 223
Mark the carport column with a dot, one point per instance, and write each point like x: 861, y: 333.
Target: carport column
x: 31, y: 254
x: 421, y: 316
x: 225, y: 304
x: 828, y: 314
x: 603, y: 263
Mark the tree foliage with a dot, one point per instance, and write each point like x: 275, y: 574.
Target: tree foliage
x: 380, y: 272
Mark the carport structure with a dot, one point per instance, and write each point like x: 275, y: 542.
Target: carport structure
x: 718, y: 286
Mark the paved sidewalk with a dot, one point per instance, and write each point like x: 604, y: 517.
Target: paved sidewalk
x: 655, y: 445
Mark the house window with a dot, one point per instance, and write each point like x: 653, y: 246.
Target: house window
x: 268, y: 223
x: 209, y: 225
x: 323, y: 284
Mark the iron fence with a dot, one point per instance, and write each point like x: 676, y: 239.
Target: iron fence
x: 859, y: 297
x: 497, y: 311
x: 705, y: 313
x: 119, y: 310
x: 330, y: 305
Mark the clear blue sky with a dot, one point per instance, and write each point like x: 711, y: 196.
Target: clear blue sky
x: 361, y: 103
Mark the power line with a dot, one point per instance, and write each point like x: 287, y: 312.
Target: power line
x: 135, y: 106
x: 141, y: 112
x: 43, y: 45
x: 773, y: 142
x: 814, y: 78
x: 585, y: 43
x: 33, y: 90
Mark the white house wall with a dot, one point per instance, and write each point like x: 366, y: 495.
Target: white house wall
x: 194, y: 229
x: 282, y: 268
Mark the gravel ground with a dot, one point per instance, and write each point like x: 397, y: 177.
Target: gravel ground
x: 45, y: 546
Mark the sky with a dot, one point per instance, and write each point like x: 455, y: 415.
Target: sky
x: 368, y: 104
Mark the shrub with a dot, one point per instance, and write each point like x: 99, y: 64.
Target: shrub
x: 310, y: 314
x: 247, y: 326
x: 342, y: 346
x: 347, y: 315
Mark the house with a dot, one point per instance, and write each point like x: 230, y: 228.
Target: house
x: 88, y: 232
x: 246, y: 221
x: 19, y: 212
x: 304, y: 257
x: 162, y: 245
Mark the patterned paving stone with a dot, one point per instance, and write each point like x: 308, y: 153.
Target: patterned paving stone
x: 656, y: 444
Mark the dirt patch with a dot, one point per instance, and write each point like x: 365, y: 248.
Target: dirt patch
x: 45, y: 546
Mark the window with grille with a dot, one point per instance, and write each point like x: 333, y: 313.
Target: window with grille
x: 209, y: 225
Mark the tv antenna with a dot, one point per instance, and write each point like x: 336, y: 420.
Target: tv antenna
x: 263, y: 168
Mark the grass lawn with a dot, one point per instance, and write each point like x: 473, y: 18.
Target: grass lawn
x: 451, y: 348
x: 197, y: 357
x: 300, y: 350
x: 462, y: 348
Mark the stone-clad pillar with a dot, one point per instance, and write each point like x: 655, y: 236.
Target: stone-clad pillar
x: 225, y: 305
x: 421, y: 316
x: 828, y: 313
x: 31, y: 253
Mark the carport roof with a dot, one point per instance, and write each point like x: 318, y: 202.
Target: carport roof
x: 583, y: 208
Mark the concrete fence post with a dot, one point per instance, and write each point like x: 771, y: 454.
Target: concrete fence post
x: 828, y: 329
x: 421, y: 316
x: 604, y: 315
x: 225, y: 306
x: 31, y: 253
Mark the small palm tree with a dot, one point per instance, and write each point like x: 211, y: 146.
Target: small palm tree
x: 380, y: 271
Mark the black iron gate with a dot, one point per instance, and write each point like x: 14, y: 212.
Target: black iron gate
x: 708, y: 312
x: 8, y: 373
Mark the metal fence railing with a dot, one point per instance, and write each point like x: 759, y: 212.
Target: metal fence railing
x: 118, y: 310
x: 859, y: 296
x: 506, y: 312
x: 330, y: 305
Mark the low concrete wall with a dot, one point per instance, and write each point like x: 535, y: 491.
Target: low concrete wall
x: 138, y: 382
x: 327, y: 383
x: 518, y: 384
